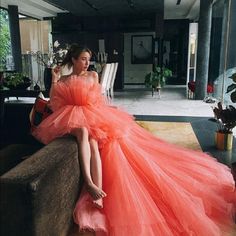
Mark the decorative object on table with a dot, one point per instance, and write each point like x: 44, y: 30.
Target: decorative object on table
x: 156, y: 79
x: 47, y: 78
x: 232, y: 88
x: 50, y: 60
x: 99, y: 67
x: 16, y: 81
x: 226, y: 121
x: 53, y: 58
x: 39, y: 111
x: 36, y: 87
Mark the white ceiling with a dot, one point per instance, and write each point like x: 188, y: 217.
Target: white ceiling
x: 34, y: 8
x: 188, y: 9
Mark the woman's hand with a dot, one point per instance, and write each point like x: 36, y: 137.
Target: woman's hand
x: 56, y: 72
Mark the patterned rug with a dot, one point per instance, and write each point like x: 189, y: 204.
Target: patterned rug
x: 179, y: 133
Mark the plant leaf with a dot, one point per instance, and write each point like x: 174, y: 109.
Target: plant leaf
x: 233, y: 77
x: 233, y: 96
x: 231, y: 88
x: 148, y: 79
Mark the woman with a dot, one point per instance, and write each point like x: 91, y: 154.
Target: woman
x: 90, y: 157
x: 135, y: 183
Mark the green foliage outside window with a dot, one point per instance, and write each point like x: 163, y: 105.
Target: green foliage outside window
x: 5, y: 43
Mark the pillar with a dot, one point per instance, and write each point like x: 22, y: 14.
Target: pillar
x: 203, y: 51
x: 159, y: 29
x: 15, y: 36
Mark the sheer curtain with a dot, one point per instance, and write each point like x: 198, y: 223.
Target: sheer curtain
x: 35, y: 36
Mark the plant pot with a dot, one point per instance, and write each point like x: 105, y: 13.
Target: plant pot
x: 156, y: 88
x: 47, y: 78
x: 224, y: 141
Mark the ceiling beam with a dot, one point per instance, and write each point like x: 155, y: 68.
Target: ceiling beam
x: 90, y: 5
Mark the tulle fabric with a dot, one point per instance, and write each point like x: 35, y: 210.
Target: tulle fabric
x: 77, y: 102
x: 153, y: 187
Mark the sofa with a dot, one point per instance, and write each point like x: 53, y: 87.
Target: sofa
x: 39, y: 188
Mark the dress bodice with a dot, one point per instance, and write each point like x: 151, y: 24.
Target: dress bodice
x: 77, y: 90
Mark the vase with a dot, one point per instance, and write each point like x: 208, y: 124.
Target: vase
x: 224, y: 141
x: 47, y: 78
x: 156, y: 88
x: 36, y: 87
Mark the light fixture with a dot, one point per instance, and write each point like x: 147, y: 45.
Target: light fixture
x: 178, y: 2
x: 131, y: 3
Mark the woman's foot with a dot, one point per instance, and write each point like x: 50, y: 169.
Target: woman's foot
x: 95, y: 192
x: 98, y: 203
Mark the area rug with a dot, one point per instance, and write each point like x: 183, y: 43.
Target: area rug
x: 179, y: 133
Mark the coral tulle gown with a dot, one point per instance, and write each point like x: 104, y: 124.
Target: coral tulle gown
x: 153, y: 188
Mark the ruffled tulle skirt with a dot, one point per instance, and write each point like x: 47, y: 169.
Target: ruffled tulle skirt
x: 153, y: 187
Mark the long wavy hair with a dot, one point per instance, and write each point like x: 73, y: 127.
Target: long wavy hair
x: 74, y: 52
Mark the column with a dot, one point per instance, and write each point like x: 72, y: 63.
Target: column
x: 15, y: 36
x: 231, y: 55
x: 203, y: 51
x: 159, y: 29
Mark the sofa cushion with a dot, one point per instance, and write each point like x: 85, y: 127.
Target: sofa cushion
x: 39, y: 194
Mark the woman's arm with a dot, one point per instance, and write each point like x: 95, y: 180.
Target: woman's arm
x: 55, y: 78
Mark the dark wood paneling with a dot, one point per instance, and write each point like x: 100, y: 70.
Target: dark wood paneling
x: 67, y: 28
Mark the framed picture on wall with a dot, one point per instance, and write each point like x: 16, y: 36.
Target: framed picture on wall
x: 141, y: 49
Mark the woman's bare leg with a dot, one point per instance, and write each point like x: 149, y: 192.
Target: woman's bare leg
x: 96, y: 169
x: 81, y: 135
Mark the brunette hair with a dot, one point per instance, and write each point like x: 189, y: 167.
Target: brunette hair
x: 74, y: 52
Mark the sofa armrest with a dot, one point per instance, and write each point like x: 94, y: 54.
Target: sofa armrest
x: 13, y: 154
x: 39, y: 194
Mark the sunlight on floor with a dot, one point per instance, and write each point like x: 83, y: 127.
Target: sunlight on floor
x: 173, y: 102
x: 179, y: 133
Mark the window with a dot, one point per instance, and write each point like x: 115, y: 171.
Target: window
x: 222, y: 62
x: 6, y: 59
x: 35, y: 36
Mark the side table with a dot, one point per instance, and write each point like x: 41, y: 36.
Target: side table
x: 15, y: 93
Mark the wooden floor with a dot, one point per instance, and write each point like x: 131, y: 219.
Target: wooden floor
x: 181, y: 134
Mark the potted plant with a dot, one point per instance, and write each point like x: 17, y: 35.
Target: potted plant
x: 226, y: 121
x: 16, y: 81
x: 156, y: 79
x: 232, y: 88
x: 53, y: 58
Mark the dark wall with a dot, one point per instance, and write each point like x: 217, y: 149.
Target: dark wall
x: 176, y: 31
x: 16, y: 125
x: 67, y: 28
x: 113, y: 41
x: 66, y: 22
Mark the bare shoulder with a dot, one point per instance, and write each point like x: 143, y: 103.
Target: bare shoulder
x: 94, y: 76
x: 64, y: 78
